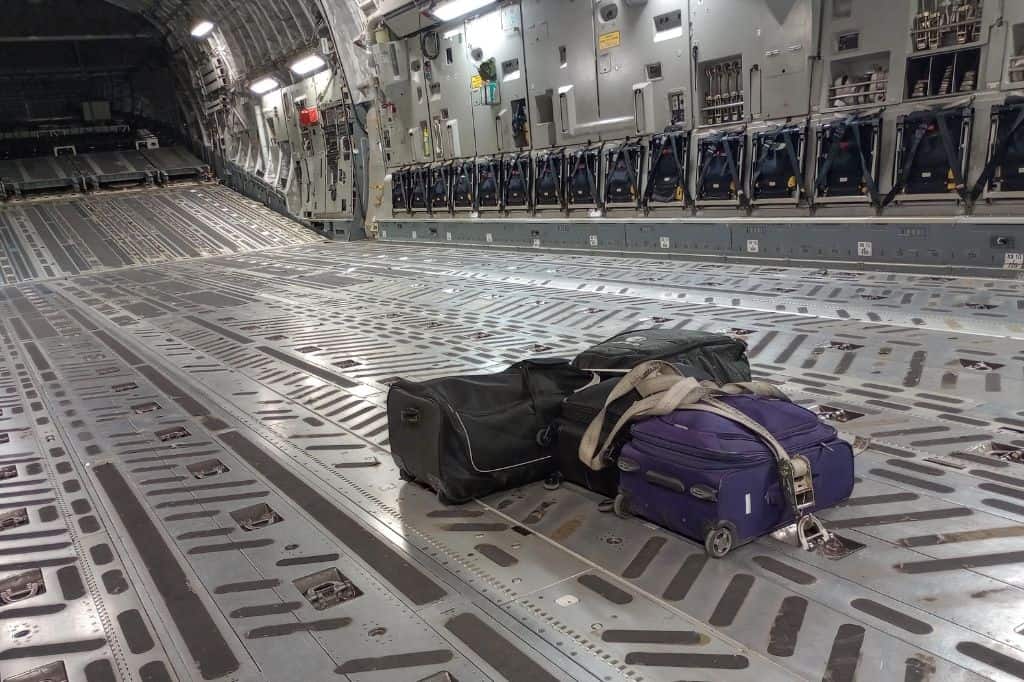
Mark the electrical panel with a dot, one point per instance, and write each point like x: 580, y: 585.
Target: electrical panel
x: 501, y: 115
x: 446, y: 72
x: 306, y: 153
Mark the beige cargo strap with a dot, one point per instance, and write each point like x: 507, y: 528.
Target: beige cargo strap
x: 663, y: 389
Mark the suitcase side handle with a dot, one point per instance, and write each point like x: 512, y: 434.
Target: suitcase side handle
x: 411, y: 415
x: 661, y: 480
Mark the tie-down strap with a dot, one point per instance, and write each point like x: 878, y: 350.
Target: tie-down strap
x: 663, y: 389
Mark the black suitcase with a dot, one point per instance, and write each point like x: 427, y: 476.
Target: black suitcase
x: 466, y: 437
x: 578, y: 411
x: 723, y: 358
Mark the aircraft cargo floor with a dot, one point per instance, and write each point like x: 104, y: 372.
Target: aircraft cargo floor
x: 189, y: 446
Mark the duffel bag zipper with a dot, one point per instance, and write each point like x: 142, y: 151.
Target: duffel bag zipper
x: 469, y: 446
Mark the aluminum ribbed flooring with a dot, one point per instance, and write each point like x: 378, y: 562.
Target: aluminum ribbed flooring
x: 44, y: 240
x: 154, y: 412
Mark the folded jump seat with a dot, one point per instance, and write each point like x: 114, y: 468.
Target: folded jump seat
x: 1004, y: 171
x: 400, y: 190
x: 666, y: 178
x: 517, y: 177
x: 720, y: 158
x: 463, y: 190
x: 548, y: 188
x: 931, y: 153
x: 488, y: 184
x: 778, y: 163
x: 623, y: 164
x: 847, y: 158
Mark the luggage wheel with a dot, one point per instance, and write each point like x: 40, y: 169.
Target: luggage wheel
x: 553, y: 482
x: 621, y: 506
x: 810, y: 531
x: 719, y: 541
x: 546, y: 437
x: 405, y: 475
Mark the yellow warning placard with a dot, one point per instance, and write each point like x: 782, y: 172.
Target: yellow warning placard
x: 606, y: 41
x: 476, y: 82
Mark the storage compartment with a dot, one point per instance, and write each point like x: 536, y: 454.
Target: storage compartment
x: 720, y: 90
x: 857, y: 81
x: 1015, y: 67
x: 943, y: 73
x: 946, y: 24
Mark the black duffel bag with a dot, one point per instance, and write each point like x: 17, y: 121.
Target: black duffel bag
x: 466, y: 437
x: 723, y: 358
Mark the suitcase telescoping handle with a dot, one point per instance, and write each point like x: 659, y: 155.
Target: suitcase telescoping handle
x: 410, y: 415
x: 664, y: 390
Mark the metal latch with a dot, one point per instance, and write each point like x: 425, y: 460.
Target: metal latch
x: 268, y: 518
x: 327, y: 588
x: 256, y: 517
x: 207, y: 468
x: 811, y: 532
x: 330, y: 593
x: 173, y: 433
x: 27, y: 591
x: 146, y: 407
x: 22, y: 587
x: 13, y: 519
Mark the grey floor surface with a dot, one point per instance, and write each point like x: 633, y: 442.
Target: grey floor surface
x: 189, y: 446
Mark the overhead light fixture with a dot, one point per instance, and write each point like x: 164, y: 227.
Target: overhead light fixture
x: 452, y: 9
x: 264, y: 85
x: 308, y: 65
x: 202, y: 29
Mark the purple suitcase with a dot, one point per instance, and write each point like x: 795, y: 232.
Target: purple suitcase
x: 715, y: 481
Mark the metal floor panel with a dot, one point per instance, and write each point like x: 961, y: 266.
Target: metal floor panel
x: 199, y: 443
x: 175, y: 162
x: 55, y: 239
